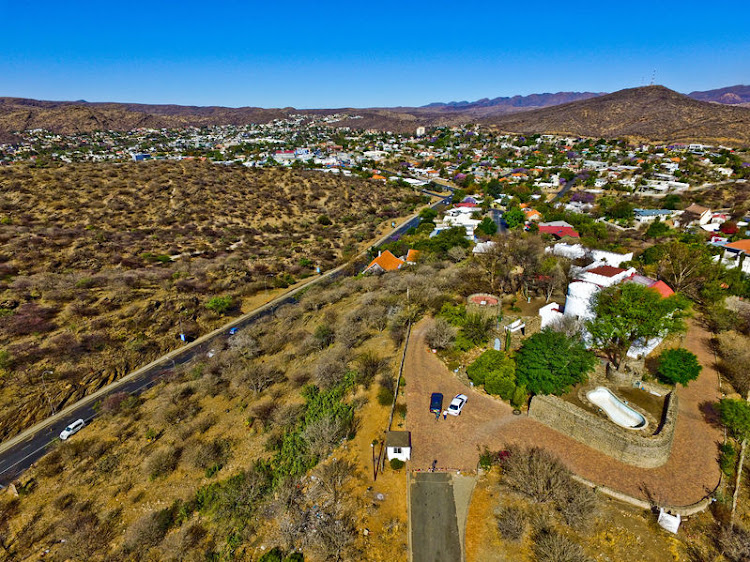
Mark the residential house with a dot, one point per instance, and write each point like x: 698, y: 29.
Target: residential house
x: 646, y: 216
x: 398, y: 445
x: 736, y: 255
x: 694, y: 214
x: 385, y: 261
x: 558, y: 229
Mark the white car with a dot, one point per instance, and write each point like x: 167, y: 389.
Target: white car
x: 457, y: 404
x: 72, y: 429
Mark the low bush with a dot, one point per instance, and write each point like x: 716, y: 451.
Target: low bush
x: 550, y: 546
x: 511, y: 523
x: 397, y: 464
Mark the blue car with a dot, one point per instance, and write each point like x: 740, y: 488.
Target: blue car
x: 436, y: 403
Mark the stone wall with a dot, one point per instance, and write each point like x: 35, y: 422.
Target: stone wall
x: 598, y: 433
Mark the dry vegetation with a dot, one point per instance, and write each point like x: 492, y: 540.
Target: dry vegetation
x: 233, y: 453
x: 101, y: 265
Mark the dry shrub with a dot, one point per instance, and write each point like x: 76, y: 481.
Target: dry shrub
x: 440, y: 334
x: 205, y: 454
x: 534, y: 473
x: 511, y: 523
x: 147, y: 531
x: 323, y: 434
x: 162, y: 461
x: 369, y: 365
x: 550, y: 546
x: 734, y: 349
x: 734, y: 543
x: 577, y: 504
x: 331, y: 367
x: 263, y: 411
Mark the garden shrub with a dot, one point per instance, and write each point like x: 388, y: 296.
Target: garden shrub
x: 397, y: 464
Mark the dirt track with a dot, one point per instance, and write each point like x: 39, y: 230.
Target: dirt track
x: 690, y: 473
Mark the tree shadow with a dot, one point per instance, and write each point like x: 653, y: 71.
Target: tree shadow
x: 710, y: 414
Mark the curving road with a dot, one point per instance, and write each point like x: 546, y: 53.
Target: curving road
x: 20, y: 452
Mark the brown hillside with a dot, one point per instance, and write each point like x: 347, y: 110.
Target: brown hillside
x: 102, y: 265
x: 652, y: 113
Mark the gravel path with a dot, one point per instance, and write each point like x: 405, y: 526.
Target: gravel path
x: 690, y: 473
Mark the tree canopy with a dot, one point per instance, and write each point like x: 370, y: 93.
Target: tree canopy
x: 630, y: 312
x: 550, y: 362
x: 487, y: 226
x: 678, y: 366
x: 514, y: 218
x: 735, y: 414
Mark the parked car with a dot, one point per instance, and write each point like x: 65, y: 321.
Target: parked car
x: 72, y: 429
x: 457, y: 404
x: 436, y: 403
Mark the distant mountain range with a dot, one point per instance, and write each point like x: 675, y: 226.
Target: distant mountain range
x: 516, y: 102
x: 649, y: 113
x: 733, y: 95
x: 652, y: 113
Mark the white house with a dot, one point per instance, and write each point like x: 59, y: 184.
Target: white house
x: 398, y: 445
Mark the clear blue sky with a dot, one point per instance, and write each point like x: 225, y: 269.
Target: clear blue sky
x: 378, y: 53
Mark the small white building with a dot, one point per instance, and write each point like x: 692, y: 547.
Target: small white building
x: 398, y: 445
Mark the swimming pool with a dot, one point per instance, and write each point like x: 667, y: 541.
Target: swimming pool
x: 616, y: 410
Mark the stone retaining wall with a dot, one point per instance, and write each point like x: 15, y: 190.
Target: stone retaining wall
x: 601, y: 434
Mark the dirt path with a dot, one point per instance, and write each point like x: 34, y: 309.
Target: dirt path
x: 690, y: 473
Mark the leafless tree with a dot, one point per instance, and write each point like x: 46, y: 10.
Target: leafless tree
x: 440, y: 334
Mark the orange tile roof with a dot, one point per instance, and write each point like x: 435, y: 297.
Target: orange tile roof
x: 741, y: 245
x: 377, y: 177
x: 412, y: 256
x: 387, y: 262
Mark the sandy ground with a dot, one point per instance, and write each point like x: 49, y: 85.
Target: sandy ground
x: 690, y: 473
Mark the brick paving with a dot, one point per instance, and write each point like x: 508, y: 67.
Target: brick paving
x: 690, y: 473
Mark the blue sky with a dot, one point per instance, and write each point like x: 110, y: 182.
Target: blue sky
x: 338, y: 54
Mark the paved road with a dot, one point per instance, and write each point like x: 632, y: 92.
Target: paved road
x: 19, y: 453
x: 432, y: 518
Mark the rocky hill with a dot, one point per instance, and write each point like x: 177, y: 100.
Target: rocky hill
x: 732, y: 95
x: 653, y: 113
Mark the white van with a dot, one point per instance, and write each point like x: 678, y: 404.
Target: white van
x: 73, y: 428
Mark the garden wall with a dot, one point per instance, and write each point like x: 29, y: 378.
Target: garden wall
x: 601, y: 434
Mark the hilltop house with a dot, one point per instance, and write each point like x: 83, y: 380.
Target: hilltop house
x: 591, y: 279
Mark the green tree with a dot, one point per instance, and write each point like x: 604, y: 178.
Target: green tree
x: 487, y: 226
x: 514, y: 218
x: 476, y: 327
x: 678, y: 366
x: 220, y: 305
x: 428, y: 214
x: 657, y: 229
x: 630, y: 312
x: 550, y: 362
x: 735, y: 414
x: 490, y: 361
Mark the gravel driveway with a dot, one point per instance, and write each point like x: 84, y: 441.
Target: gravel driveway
x: 689, y: 474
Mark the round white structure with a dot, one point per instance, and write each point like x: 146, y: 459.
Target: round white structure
x: 616, y: 410
x: 578, y: 303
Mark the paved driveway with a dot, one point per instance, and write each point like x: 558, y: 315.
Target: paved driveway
x: 689, y: 474
x: 433, y: 522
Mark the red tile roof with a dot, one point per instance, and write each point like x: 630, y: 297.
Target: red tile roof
x: 606, y: 271
x: 662, y: 288
x: 559, y: 231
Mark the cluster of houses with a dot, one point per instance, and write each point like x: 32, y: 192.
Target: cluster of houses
x: 603, y: 269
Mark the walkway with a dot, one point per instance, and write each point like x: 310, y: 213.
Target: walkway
x: 690, y: 473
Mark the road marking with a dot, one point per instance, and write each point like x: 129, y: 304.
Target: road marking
x: 26, y: 457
